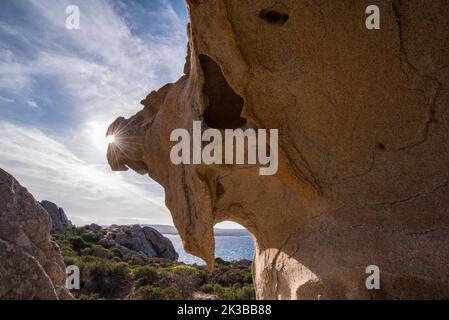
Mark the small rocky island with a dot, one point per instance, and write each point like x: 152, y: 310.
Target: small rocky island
x: 38, y: 241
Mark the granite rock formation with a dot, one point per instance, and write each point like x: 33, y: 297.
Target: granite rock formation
x: 363, y: 123
x: 60, y: 223
x: 31, y: 266
x: 139, y: 242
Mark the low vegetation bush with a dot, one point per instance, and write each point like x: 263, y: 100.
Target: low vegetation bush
x: 105, y: 276
x: 145, y: 275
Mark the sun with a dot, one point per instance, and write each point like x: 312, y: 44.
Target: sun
x: 110, y: 139
x: 96, y: 134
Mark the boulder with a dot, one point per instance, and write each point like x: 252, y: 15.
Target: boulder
x: 162, y: 245
x: 136, y: 241
x: 241, y: 264
x: 60, y: 223
x: 95, y: 227
x: 31, y: 266
x: 363, y: 168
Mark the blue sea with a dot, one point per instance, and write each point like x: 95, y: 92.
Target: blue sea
x: 227, y: 248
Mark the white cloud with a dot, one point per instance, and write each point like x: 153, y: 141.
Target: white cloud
x: 89, y: 193
x: 103, y: 70
x: 14, y: 75
x: 32, y: 104
x: 106, y: 67
x: 3, y: 99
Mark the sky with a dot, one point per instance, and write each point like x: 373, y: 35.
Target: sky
x: 61, y: 88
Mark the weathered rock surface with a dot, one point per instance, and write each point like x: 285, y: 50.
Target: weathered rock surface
x: 363, y: 125
x: 60, y: 223
x: 31, y: 266
x: 139, y: 242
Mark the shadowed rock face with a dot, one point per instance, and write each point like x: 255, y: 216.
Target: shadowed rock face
x: 363, y: 140
x: 60, y: 223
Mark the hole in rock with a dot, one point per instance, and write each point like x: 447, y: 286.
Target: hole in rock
x: 381, y: 146
x: 232, y: 243
x: 273, y: 16
x: 224, y: 106
x: 219, y: 190
x: 234, y: 251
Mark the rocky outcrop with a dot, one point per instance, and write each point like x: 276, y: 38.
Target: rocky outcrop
x: 95, y: 227
x: 31, y: 266
x: 135, y: 242
x: 363, y: 143
x: 60, y: 223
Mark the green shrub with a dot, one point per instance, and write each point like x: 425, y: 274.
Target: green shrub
x: 77, y: 243
x: 247, y: 292
x: 64, y: 245
x: 89, y: 259
x: 117, y: 253
x: 193, y: 276
x: 116, y: 259
x: 97, y: 251
x: 57, y: 237
x: 207, y: 288
x: 71, y: 260
x: 234, y: 293
x: 157, y: 293
x: 146, y: 275
x: 248, y: 278
x: 182, y: 280
x: 105, y: 278
x: 92, y: 237
x: 148, y: 293
x: 89, y: 297
x: 171, y: 294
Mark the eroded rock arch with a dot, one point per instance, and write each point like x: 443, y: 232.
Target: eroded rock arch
x: 364, y: 143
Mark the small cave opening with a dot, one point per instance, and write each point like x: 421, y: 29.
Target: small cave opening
x: 219, y: 189
x: 381, y: 146
x: 223, y: 105
x: 273, y: 16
